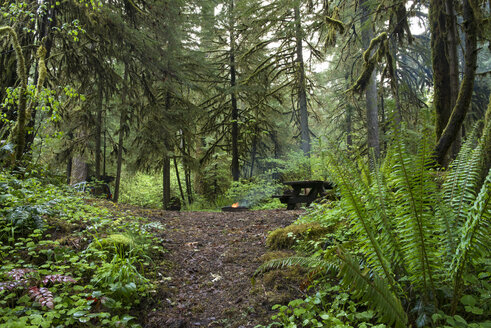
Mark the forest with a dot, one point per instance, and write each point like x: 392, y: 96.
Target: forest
x: 128, y: 128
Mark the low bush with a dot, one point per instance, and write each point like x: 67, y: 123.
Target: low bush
x: 51, y: 276
x: 254, y: 193
x: 287, y: 237
x: 142, y: 189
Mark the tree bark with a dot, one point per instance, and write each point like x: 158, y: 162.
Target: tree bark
x: 441, y: 66
x: 176, y: 167
x: 349, y: 127
x: 166, y: 182
x: 486, y: 144
x: 302, y: 93
x: 166, y: 162
x: 122, y: 122
x: 371, y: 89
x: 98, y: 131
x: 453, y: 62
x: 235, y: 110
x: 461, y: 107
x: 187, y: 169
x: 253, y: 153
x: 68, y: 169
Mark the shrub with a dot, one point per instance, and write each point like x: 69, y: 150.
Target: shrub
x: 115, y: 243
x: 287, y: 237
x: 142, y: 189
x: 252, y: 193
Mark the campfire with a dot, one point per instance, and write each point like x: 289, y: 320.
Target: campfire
x: 235, y: 207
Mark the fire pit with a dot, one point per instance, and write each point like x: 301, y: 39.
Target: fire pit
x: 235, y: 208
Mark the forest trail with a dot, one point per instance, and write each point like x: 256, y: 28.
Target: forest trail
x: 210, y: 261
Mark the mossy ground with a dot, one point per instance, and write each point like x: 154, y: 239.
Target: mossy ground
x: 285, y: 238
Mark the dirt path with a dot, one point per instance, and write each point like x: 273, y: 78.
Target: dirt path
x: 212, y: 257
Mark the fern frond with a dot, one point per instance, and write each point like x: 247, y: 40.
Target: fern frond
x: 369, y: 287
x: 382, y: 203
x: 355, y: 194
x: 459, y: 188
x: 475, y: 234
x: 415, y: 195
x: 306, y: 262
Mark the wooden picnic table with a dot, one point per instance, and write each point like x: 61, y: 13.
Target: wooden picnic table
x: 312, y: 189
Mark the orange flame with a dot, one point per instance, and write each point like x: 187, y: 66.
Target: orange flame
x: 235, y: 205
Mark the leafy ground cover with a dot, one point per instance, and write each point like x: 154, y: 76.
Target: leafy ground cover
x: 66, y: 262
x: 72, y: 261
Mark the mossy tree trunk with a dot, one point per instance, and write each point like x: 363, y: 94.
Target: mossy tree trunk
x: 18, y: 133
x: 98, y: 129
x: 301, y: 87
x: 235, y: 109
x: 441, y: 90
x: 486, y: 144
x: 373, y: 138
x: 453, y: 61
x: 441, y: 66
x: 166, y: 181
x: 166, y: 192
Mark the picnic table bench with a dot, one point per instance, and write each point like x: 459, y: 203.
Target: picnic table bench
x: 313, y: 189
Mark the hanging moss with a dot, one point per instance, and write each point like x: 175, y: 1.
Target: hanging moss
x: 19, y: 130
x: 42, y: 73
x: 335, y: 27
x: 370, y: 62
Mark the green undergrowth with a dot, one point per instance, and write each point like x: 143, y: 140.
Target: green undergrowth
x: 287, y: 237
x: 66, y: 262
x: 407, y: 245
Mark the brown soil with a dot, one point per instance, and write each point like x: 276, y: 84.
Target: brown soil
x: 210, y: 261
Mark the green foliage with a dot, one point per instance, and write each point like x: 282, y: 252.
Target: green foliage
x: 115, y: 243
x: 142, y: 190
x: 48, y: 282
x: 287, y: 237
x: 296, y: 166
x: 410, y: 234
x: 328, y: 307
x: 253, y: 193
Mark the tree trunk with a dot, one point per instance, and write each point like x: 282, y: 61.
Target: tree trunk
x: 394, y: 83
x: 454, y: 125
x: 441, y: 67
x: 122, y: 122
x: 68, y: 169
x: 178, y: 179
x: 166, y: 162
x: 235, y: 110
x: 349, y: 127
x: 44, y: 36
x: 371, y: 89
x: 453, y: 62
x: 486, y: 144
x: 253, y: 153
x: 98, y: 131
x: 302, y: 93
x: 119, y: 162
x: 69, y: 160
x: 166, y: 182
x: 187, y: 169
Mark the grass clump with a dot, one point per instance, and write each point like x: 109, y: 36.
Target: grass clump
x: 117, y: 243
x: 285, y: 238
